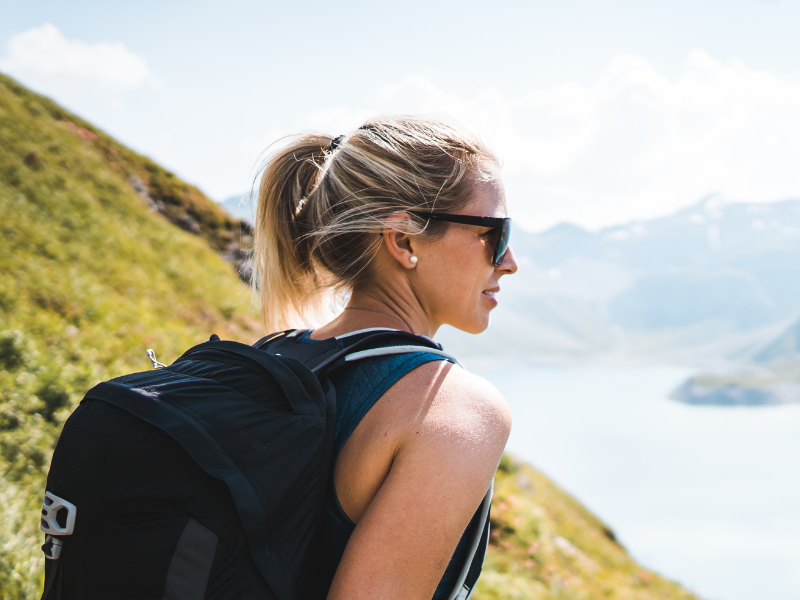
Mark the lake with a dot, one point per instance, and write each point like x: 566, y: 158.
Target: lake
x: 707, y: 496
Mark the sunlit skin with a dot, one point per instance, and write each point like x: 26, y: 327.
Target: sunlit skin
x: 418, y: 464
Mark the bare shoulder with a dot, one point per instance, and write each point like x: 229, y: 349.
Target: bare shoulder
x: 444, y: 431
x: 445, y: 400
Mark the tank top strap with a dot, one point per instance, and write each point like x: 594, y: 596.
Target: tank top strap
x: 360, y: 386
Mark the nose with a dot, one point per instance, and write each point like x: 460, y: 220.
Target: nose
x: 509, y: 265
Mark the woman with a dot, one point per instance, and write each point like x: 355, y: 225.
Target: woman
x: 370, y: 215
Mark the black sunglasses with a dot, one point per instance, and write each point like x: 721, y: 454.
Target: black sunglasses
x: 502, y: 224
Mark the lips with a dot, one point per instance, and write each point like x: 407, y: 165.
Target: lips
x: 491, y: 292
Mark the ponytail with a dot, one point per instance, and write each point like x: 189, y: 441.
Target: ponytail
x: 284, y: 275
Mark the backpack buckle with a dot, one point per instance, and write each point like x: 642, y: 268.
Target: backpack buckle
x: 58, y: 515
x: 52, y: 547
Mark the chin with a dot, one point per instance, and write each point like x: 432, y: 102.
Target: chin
x: 475, y: 326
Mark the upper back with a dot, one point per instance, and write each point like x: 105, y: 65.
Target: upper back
x: 422, y: 422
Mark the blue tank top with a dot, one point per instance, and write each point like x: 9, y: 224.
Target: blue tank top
x: 358, y: 388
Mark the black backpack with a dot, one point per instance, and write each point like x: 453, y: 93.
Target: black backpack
x: 204, y: 479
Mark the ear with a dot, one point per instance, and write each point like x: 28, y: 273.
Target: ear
x: 401, y: 246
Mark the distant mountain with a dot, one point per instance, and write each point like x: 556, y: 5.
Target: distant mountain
x: 240, y: 206
x: 708, y: 283
x: 736, y: 263
x: 785, y: 347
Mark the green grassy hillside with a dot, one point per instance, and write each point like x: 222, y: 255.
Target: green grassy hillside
x: 105, y: 254
x: 90, y: 276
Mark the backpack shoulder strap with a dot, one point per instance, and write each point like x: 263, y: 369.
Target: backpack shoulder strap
x: 383, y: 344
x: 274, y: 336
x: 404, y: 349
x: 334, y: 352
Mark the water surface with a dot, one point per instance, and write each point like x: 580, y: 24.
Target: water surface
x: 707, y: 496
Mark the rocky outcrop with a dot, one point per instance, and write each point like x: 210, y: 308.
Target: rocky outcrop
x: 770, y: 377
x: 737, y: 394
x: 231, y: 237
x: 141, y: 190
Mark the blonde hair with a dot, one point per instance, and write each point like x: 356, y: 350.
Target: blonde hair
x: 322, y: 206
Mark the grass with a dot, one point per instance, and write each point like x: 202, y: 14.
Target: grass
x: 90, y: 277
x: 99, y: 262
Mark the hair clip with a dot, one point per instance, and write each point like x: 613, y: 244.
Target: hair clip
x: 336, y: 142
x: 300, y: 206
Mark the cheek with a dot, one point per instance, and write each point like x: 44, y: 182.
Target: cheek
x: 459, y: 266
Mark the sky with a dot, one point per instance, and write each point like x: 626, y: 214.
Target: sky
x: 601, y: 112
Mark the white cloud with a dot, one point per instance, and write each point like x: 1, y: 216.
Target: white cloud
x: 43, y: 52
x: 634, y: 144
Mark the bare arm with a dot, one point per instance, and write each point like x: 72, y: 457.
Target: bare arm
x: 452, y: 429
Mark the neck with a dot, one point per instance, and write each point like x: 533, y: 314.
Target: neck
x: 376, y: 306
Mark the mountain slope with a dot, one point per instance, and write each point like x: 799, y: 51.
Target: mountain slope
x: 239, y: 207
x: 786, y: 347
x: 163, y: 193
x: 91, y: 276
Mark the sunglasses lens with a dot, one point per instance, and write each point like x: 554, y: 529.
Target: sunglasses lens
x: 502, y: 242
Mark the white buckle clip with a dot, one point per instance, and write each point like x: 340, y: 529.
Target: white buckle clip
x: 53, y: 552
x: 58, y: 516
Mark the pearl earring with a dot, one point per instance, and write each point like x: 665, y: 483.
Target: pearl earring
x: 413, y: 260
